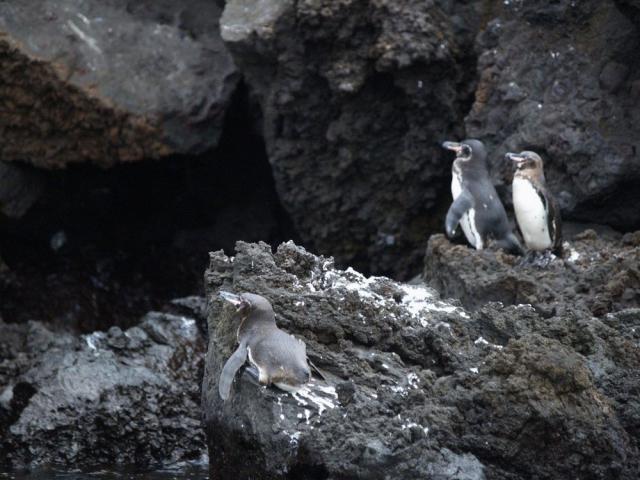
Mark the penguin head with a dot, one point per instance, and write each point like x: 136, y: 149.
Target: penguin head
x: 247, y: 303
x: 526, y: 161
x: 468, y: 152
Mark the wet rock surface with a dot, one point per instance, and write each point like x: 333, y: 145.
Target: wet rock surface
x: 109, y: 398
x: 74, y: 90
x: 562, y: 78
x: 418, y: 387
x: 356, y: 98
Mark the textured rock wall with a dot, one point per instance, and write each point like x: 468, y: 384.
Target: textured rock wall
x: 356, y: 97
x: 562, y: 78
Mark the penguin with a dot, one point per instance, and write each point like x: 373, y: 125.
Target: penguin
x: 476, y: 205
x: 281, y: 359
x: 536, y: 210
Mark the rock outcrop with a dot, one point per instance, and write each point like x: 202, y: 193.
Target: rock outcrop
x: 417, y: 387
x: 597, y: 275
x: 110, y: 82
x: 356, y: 98
x: 108, y: 398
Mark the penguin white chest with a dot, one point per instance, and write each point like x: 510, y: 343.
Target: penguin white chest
x: 531, y: 215
x: 467, y: 222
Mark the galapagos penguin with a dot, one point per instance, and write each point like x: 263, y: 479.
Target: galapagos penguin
x: 281, y: 359
x: 536, y: 210
x: 476, y: 205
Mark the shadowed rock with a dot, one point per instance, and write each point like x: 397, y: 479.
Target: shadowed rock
x: 20, y: 188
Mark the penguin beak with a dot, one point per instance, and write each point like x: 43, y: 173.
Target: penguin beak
x: 455, y: 146
x: 232, y: 298
x: 514, y: 157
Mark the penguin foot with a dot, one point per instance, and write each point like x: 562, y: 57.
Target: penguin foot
x: 537, y: 259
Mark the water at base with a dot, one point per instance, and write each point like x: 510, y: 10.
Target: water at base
x: 189, y: 473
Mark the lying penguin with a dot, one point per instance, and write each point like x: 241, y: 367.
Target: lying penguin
x: 281, y: 359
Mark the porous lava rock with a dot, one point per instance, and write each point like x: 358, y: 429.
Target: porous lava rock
x: 417, y: 387
x: 104, y: 399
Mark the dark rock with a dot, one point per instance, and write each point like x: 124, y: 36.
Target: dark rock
x: 356, y: 98
x: 596, y: 276
x: 101, y: 399
x: 418, y: 388
x: 110, y: 82
x: 19, y: 189
x: 557, y: 77
x: 613, y: 75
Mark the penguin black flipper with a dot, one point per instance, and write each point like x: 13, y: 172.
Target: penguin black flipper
x: 229, y: 370
x: 554, y: 223
x: 458, y: 208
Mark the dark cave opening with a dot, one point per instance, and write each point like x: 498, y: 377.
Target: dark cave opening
x: 103, y: 247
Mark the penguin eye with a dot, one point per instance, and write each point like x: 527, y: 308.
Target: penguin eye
x: 466, y: 150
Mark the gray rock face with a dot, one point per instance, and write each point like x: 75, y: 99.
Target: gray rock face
x: 102, y: 399
x: 556, y: 77
x: 418, y: 387
x: 356, y: 98
x: 110, y: 82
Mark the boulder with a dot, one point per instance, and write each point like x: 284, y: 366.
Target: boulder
x: 110, y: 82
x: 417, y: 387
x: 107, y: 398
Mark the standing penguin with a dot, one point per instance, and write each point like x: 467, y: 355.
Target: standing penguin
x: 281, y: 359
x: 536, y: 210
x: 476, y: 205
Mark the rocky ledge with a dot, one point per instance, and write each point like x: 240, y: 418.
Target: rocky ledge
x: 108, y: 398
x: 598, y: 274
x: 418, y: 387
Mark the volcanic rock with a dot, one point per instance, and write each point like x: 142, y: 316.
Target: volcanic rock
x: 417, y: 387
x: 110, y: 82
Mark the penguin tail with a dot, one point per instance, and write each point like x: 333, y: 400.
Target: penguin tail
x: 510, y: 244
